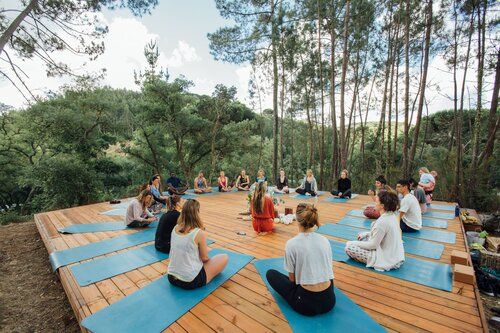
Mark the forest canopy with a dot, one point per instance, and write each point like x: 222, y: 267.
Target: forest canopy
x: 348, y: 81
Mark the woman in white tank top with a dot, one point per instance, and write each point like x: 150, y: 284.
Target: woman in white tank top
x: 190, y: 266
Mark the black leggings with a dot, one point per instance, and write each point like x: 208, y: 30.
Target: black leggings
x: 346, y: 194
x: 405, y: 228
x: 303, y: 191
x: 305, y: 302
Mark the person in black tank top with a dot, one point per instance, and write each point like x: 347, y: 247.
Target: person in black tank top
x: 167, y: 223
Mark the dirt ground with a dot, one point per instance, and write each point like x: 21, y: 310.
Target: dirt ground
x: 31, y: 297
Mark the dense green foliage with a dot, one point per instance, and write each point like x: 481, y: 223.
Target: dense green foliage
x: 93, y: 144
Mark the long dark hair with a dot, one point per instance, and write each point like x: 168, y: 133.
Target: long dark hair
x: 259, y: 197
x: 172, y: 202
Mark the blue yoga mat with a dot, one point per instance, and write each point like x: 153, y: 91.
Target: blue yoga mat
x: 429, y: 234
x: 115, y: 212
x: 107, y: 267
x: 159, y: 304
x: 346, y: 316
x: 65, y: 257
x: 427, y: 273
x: 450, y: 208
x: 439, y: 215
x: 306, y: 197
x: 215, y: 190
x: 185, y: 196
x: 339, y: 200
x: 426, y: 221
x: 411, y: 245
x: 97, y: 227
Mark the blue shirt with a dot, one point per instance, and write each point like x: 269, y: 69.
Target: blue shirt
x: 155, y: 192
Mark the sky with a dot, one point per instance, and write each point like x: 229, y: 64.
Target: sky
x: 180, y: 28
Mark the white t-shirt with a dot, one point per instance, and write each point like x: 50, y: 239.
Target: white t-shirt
x: 413, y: 214
x: 309, y: 257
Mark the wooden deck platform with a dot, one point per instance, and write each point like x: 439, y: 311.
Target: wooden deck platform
x: 243, y: 303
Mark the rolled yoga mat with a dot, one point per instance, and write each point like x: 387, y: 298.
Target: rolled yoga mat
x: 411, y: 245
x: 340, y: 200
x: 116, y: 264
x: 427, y: 273
x: 65, y: 257
x: 426, y: 221
x: 428, y: 234
x: 346, y: 316
x: 159, y: 304
x: 100, y: 226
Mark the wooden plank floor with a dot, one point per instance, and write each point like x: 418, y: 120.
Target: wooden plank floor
x: 243, y: 303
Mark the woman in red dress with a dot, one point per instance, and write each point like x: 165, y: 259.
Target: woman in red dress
x: 262, y: 209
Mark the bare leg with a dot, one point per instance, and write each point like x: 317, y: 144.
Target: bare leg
x: 198, y: 191
x: 215, y: 265
x: 207, y: 190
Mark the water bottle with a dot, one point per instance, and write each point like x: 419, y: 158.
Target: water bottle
x: 457, y: 210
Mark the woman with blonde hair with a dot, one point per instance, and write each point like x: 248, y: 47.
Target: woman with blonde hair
x: 308, y: 288
x: 138, y: 214
x: 309, y: 186
x: 243, y: 181
x: 190, y: 266
x: 262, y: 210
x: 427, y: 182
x: 223, y: 182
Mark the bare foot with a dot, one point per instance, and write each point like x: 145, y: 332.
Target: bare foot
x: 262, y: 233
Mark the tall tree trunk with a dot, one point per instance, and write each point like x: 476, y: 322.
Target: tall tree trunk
x: 459, y: 174
x: 322, y: 140
x: 274, y: 37
x: 396, y: 111
x: 310, y: 128
x: 9, y: 32
x: 455, y: 84
x: 407, y: 91
x: 345, y: 60
x: 282, y: 119
x: 333, y: 113
x: 481, y: 31
x: 423, y: 82
x: 492, y: 117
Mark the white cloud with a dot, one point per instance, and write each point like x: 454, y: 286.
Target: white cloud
x: 182, y: 54
x: 124, y: 54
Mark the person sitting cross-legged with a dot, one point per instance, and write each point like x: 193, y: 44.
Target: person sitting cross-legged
x: 282, y: 183
x: 200, y: 184
x: 190, y: 265
x: 308, y: 288
x: 223, y: 182
x: 419, y: 193
x: 343, y: 186
x: 382, y: 246
x: 137, y: 214
x: 167, y: 223
x: 175, y: 185
x: 262, y: 210
x: 309, y: 185
x: 410, y: 215
x: 243, y: 181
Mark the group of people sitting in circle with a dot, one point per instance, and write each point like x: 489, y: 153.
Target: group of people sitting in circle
x: 308, y: 287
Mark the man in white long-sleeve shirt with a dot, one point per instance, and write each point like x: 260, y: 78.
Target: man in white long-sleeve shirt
x: 410, y: 215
